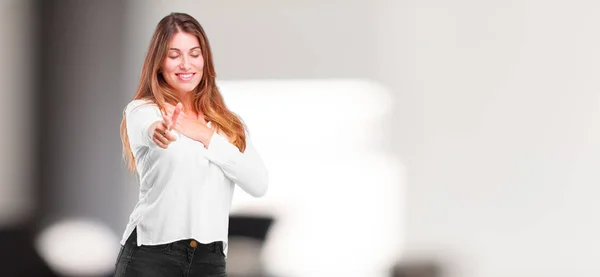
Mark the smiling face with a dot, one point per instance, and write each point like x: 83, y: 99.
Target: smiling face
x: 182, y: 68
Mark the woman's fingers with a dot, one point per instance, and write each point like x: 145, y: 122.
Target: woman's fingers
x: 159, y: 143
x: 173, y: 112
x: 175, y: 115
x: 158, y: 137
x: 162, y: 136
x: 170, y: 136
x: 166, y: 122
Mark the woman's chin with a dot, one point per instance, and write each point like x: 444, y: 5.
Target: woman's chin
x: 185, y: 89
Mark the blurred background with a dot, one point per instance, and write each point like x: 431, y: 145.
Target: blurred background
x: 403, y: 138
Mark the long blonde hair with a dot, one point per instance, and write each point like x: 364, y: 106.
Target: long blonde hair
x: 207, y: 97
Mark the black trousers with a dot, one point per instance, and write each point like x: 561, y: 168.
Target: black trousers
x: 184, y: 258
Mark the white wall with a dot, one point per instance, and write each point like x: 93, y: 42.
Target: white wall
x: 496, y: 111
x: 505, y: 172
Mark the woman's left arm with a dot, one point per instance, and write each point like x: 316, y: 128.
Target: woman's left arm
x: 246, y: 169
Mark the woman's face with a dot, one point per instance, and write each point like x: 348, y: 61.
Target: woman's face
x: 183, y: 66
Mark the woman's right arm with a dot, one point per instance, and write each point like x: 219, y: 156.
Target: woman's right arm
x: 141, y: 118
x: 146, y: 126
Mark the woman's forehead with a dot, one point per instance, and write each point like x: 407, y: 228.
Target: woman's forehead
x: 183, y: 42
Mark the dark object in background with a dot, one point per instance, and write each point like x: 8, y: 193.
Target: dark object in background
x: 247, y: 236
x: 417, y: 269
x: 255, y: 227
x: 19, y: 257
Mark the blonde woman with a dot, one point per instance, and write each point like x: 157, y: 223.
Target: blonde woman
x: 189, y: 151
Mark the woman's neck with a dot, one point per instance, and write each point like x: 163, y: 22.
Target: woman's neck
x: 187, y: 100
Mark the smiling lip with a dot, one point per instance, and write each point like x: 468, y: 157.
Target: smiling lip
x: 185, y: 76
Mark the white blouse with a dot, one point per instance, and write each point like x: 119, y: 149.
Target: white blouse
x: 186, y: 189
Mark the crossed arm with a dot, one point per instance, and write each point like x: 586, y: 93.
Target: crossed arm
x: 148, y: 127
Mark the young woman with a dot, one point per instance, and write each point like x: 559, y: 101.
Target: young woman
x: 189, y: 151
